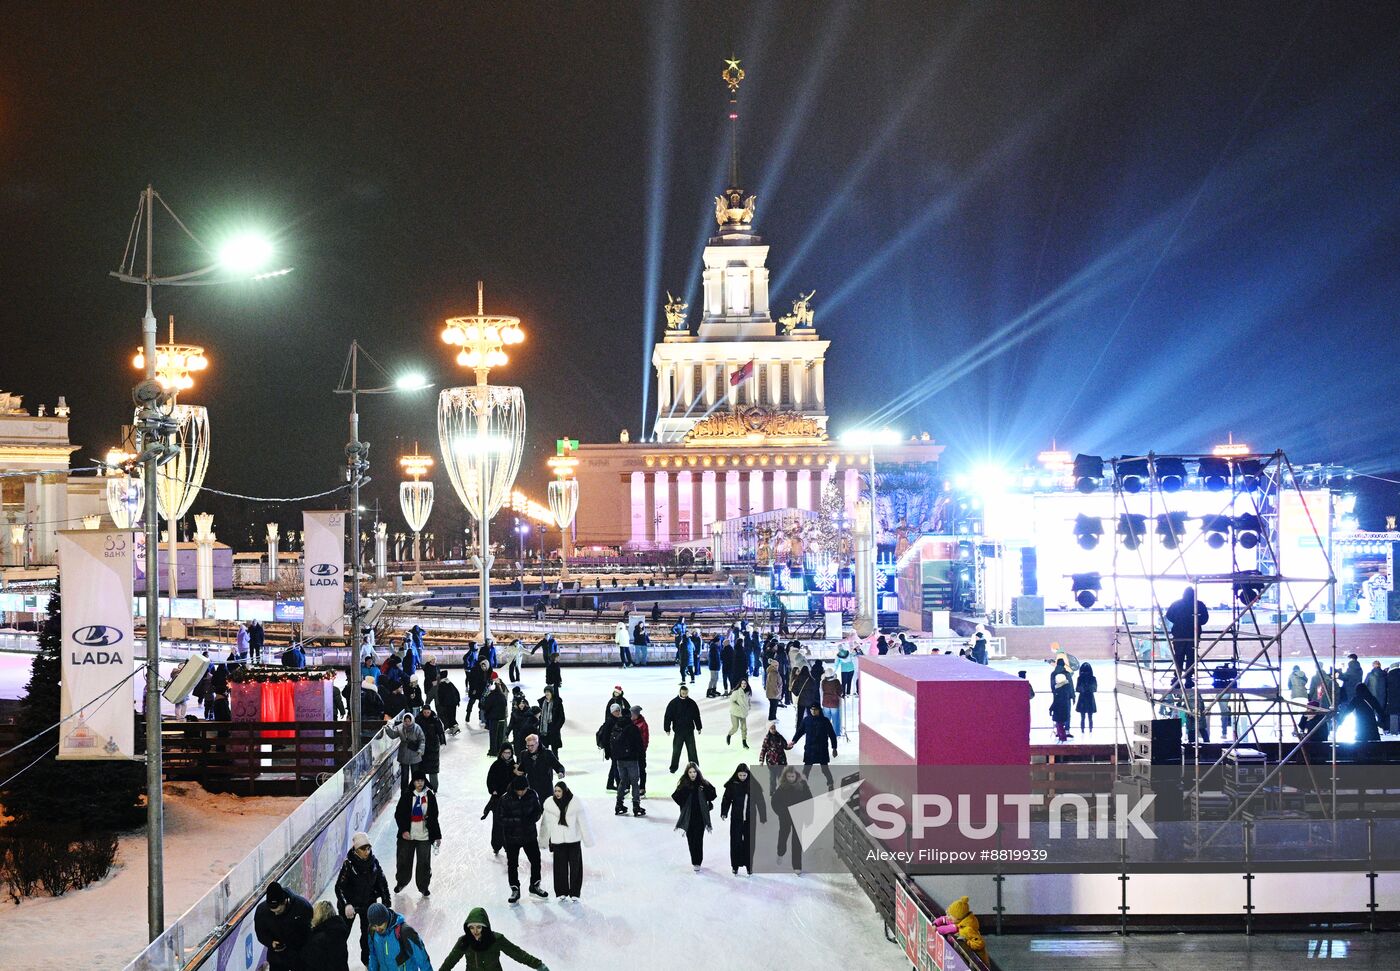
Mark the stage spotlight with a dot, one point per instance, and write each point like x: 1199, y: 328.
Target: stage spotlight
x: 1216, y: 529
x: 1249, y: 474
x: 1132, y: 474
x: 1087, y: 530
x: 1132, y: 527
x: 1088, y: 473
x: 1215, y: 473
x: 1171, y: 527
x: 1086, y: 589
x: 1249, y: 590
x: 1247, y: 530
x: 1171, y: 474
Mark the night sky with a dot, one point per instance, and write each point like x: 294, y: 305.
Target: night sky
x: 1126, y: 226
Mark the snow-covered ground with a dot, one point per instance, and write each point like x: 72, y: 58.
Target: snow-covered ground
x: 642, y: 905
x: 104, y: 925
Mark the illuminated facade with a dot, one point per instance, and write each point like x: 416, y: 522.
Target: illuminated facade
x: 742, y: 422
x: 37, y: 495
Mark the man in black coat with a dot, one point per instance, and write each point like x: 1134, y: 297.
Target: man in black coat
x: 818, y: 731
x: 625, y: 744
x: 540, y: 764
x: 519, y: 811
x: 1186, y: 618
x: 416, y: 822
x: 434, y: 737
x: 282, y: 923
x: 361, y: 882
x: 682, y: 718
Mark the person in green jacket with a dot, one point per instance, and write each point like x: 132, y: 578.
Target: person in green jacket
x: 481, y: 947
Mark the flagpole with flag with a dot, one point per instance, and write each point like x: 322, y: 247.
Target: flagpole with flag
x: 740, y: 376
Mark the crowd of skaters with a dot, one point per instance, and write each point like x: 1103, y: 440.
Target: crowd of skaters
x: 527, y: 799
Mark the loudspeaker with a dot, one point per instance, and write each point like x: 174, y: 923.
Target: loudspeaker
x: 1158, y: 740
x: 184, y: 679
x: 1030, y: 586
x: 1028, y: 611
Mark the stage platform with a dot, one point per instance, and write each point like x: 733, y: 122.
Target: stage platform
x: 1089, y: 635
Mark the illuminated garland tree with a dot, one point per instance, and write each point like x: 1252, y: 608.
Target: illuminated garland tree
x: 827, y: 538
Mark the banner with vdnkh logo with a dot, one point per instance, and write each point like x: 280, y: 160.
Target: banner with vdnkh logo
x: 323, y: 572
x: 95, y: 571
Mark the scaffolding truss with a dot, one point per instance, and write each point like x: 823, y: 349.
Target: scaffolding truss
x: 1234, y: 662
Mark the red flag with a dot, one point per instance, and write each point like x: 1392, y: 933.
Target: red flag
x: 738, y: 377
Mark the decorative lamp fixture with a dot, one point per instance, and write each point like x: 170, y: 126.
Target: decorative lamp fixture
x: 181, y: 475
x: 481, y: 429
x: 416, y: 501
x: 482, y: 337
x: 174, y: 362
x: 563, y: 503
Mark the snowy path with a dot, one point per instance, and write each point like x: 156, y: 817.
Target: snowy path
x: 642, y: 906
x: 104, y: 925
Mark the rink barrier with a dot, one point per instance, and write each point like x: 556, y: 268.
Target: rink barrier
x: 901, y: 903
x: 215, y: 934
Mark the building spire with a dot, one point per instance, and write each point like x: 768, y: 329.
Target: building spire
x: 733, y: 209
x: 733, y: 75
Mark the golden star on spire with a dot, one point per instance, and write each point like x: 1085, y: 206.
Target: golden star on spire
x: 732, y: 73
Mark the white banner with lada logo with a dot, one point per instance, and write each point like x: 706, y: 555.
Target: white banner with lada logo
x: 95, y: 571
x: 324, y: 574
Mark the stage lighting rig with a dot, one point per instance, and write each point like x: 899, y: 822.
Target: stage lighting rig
x: 1132, y: 527
x: 1247, y: 530
x: 1086, y: 587
x: 1214, y: 473
x: 1087, y: 530
x: 1249, y: 474
x: 1217, y: 529
x: 1248, y: 589
x: 1171, y: 527
x: 1132, y: 474
x: 1088, y: 473
x: 1171, y: 474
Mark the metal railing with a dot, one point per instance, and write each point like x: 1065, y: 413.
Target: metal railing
x: 194, y: 936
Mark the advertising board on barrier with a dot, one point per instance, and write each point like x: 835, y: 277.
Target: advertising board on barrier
x: 98, y: 658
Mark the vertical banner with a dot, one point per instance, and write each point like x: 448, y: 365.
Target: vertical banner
x: 323, y: 572
x: 95, y: 583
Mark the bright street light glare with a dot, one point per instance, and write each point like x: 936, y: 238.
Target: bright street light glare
x: 869, y: 437
x: 245, y: 253
x: 411, y: 382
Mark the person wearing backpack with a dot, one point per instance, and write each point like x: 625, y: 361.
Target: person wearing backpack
x: 394, y: 945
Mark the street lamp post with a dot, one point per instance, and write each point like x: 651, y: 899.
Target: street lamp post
x: 416, y: 501
x: 563, y: 496
x: 868, y: 439
x: 240, y: 258
x: 357, y: 464
x: 481, y: 465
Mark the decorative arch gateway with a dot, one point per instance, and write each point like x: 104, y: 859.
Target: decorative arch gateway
x: 754, y: 425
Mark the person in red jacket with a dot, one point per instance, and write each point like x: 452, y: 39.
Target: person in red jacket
x: 645, y: 729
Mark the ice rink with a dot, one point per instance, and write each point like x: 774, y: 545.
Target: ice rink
x: 642, y: 906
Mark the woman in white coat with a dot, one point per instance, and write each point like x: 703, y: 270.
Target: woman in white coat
x: 565, y: 830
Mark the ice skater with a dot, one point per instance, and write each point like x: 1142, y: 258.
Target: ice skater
x: 695, y: 797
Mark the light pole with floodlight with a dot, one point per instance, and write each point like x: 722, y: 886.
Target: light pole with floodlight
x: 357, y: 464
x: 868, y: 439
x: 239, y: 259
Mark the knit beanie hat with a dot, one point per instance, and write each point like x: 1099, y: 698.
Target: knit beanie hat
x: 378, y: 914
